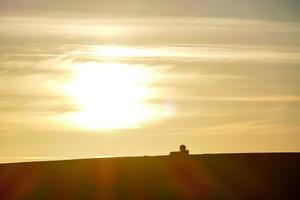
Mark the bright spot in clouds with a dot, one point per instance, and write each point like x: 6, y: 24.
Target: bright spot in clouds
x: 112, y: 96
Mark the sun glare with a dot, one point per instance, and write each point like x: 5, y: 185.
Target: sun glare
x: 110, y: 95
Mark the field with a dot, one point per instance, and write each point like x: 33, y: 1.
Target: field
x: 209, y: 176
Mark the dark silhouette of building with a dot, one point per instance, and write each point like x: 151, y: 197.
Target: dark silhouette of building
x: 183, y: 151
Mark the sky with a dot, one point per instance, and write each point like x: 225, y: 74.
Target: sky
x: 105, y: 78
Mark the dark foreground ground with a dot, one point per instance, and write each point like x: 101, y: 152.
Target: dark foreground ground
x: 223, y: 176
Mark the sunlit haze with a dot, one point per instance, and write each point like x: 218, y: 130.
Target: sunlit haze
x: 111, y: 96
x: 133, y: 78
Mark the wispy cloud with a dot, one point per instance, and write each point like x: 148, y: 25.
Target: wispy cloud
x: 190, y: 52
x: 35, y: 104
x: 251, y: 99
x: 256, y: 9
x: 221, y: 72
x: 153, y: 30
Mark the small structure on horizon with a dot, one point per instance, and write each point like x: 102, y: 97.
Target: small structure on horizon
x: 183, y: 151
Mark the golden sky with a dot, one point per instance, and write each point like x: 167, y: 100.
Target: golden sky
x: 128, y: 78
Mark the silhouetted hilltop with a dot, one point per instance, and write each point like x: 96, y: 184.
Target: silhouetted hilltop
x: 215, y: 176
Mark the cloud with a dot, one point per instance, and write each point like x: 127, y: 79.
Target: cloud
x: 223, y: 71
x: 251, y: 99
x: 157, y: 30
x: 16, y: 68
x: 257, y: 9
x: 35, y: 104
x: 261, y: 126
x: 181, y: 53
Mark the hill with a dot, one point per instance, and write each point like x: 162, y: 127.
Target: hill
x: 210, y: 176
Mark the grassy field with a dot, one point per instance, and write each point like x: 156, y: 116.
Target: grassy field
x: 211, y: 176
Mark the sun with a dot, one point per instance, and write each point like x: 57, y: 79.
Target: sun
x: 110, y: 95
